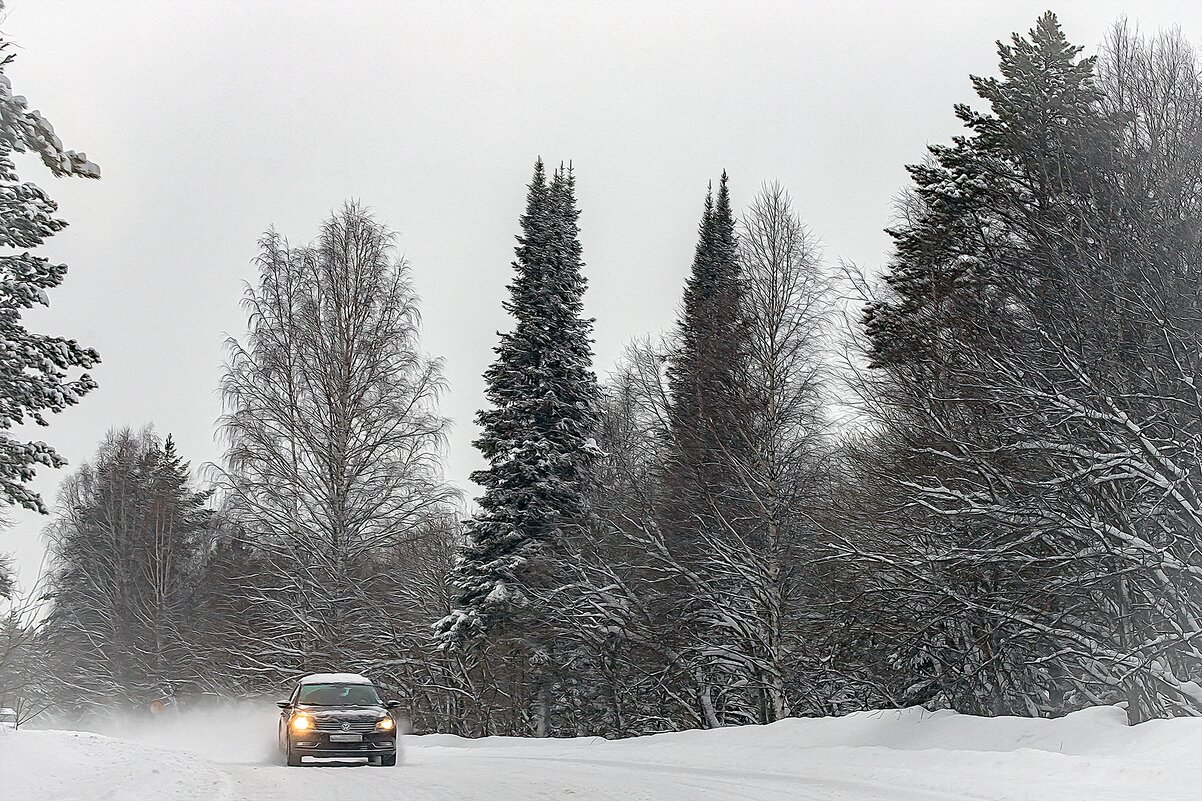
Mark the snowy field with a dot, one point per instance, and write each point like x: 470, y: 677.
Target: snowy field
x: 894, y: 755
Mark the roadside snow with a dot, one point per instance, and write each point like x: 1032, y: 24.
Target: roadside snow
x: 79, y: 766
x: 872, y: 756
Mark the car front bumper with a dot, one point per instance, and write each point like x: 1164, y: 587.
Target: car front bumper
x: 320, y: 745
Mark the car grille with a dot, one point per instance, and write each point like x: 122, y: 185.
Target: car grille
x: 355, y: 726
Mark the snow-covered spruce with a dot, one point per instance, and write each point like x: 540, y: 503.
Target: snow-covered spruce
x: 35, y: 369
x: 537, y: 437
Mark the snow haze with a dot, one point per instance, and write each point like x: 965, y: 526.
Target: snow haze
x: 213, y: 120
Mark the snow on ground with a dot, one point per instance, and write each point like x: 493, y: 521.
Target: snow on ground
x: 897, y: 755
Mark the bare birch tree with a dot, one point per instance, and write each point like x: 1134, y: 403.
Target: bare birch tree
x: 333, y: 437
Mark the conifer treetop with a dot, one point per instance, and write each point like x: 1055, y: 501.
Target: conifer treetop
x: 536, y: 433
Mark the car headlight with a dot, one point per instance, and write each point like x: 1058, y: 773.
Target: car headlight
x: 302, y: 723
x: 385, y: 724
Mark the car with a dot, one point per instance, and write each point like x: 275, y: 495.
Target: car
x: 8, y: 718
x: 337, y: 716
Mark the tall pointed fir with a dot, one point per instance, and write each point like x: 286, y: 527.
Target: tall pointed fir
x: 705, y: 374
x: 537, y: 438
x: 34, y: 368
x: 705, y: 509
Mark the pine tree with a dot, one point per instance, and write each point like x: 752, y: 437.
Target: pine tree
x: 33, y: 367
x: 537, y: 433
x: 979, y: 266
x: 1033, y: 163
x: 7, y: 582
x: 1043, y: 289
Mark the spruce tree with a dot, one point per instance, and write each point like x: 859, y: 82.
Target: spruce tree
x: 706, y: 371
x: 537, y: 433
x: 704, y: 511
x: 33, y: 367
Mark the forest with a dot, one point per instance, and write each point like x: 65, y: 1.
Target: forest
x: 966, y: 478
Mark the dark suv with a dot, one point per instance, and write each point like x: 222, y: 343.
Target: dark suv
x: 337, y: 716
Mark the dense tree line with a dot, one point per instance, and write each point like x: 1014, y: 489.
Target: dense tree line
x: 129, y: 534
x: 1037, y: 345
x: 983, y: 494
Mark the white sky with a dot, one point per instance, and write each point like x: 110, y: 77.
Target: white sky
x: 213, y: 120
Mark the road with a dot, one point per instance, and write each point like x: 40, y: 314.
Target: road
x: 905, y: 755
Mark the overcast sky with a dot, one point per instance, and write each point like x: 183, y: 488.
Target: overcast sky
x: 213, y: 120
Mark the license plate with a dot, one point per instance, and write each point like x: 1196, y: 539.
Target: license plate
x: 346, y: 738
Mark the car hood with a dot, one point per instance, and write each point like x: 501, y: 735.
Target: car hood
x: 351, y: 713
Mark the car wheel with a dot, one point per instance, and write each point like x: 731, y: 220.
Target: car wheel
x: 388, y: 761
x: 293, y: 760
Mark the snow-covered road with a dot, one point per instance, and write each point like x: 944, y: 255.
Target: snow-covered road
x: 907, y: 755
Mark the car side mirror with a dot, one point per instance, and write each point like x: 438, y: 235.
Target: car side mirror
x: 391, y: 704
x: 284, y: 704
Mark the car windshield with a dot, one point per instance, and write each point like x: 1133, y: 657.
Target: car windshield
x: 338, y: 695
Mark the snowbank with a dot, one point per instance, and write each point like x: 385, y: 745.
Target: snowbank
x: 80, y: 766
x: 1092, y: 755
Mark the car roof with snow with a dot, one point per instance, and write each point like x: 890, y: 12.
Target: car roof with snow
x: 334, y: 678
